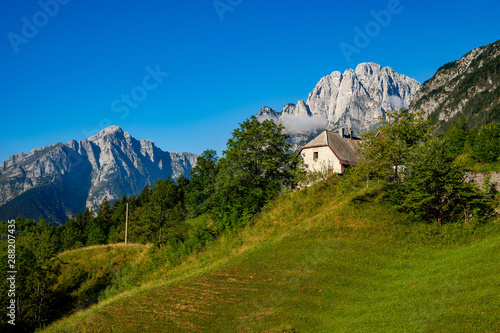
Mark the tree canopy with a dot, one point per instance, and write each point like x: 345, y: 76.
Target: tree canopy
x: 433, y: 187
x: 385, y: 150
x: 255, y: 167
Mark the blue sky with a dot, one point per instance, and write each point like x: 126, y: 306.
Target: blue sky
x: 185, y: 73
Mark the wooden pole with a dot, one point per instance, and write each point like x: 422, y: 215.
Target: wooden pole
x: 126, y: 224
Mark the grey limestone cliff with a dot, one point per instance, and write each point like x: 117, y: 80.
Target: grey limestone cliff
x: 352, y: 100
x: 82, y: 174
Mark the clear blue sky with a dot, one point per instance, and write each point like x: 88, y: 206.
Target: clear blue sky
x: 66, y: 70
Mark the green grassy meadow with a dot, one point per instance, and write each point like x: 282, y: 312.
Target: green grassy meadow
x: 314, y: 260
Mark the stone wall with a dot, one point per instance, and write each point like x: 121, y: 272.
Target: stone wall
x: 478, y: 178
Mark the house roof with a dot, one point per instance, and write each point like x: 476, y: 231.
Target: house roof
x: 343, y: 148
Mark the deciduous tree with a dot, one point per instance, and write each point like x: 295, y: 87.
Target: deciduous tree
x: 384, y: 150
x: 256, y: 166
x: 202, y: 183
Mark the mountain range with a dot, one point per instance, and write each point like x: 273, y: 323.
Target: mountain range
x: 59, y: 180
x: 468, y: 88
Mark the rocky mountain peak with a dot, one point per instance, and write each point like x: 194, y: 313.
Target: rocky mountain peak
x: 267, y: 111
x: 368, y: 68
x: 108, y: 131
x: 82, y: 174
x: 354, y: 99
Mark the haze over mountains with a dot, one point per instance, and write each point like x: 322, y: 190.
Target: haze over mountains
x: 352, y: 100
x: 63, y: 179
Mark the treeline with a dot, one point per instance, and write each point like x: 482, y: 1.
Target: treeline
x: 223, y: 193
x: 475, y: 145
x: 255, y: 167
x: 423, y: 173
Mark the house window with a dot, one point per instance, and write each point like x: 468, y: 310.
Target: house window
x: 315, y: 155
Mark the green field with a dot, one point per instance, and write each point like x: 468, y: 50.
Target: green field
x: 315, y: 261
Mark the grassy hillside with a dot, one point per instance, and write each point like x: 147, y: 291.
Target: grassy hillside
x: 86, y: 273
x: 318, y: 261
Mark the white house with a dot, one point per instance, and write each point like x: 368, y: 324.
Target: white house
x: 330, y: 151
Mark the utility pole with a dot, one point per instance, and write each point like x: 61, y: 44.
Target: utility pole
x: 126, y: 224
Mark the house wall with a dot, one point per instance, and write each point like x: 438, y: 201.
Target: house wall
x: 326, y: 159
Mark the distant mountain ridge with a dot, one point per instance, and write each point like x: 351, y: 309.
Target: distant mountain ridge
x: 468, y: 88
x: 352, y: 100
x: 63, y: 179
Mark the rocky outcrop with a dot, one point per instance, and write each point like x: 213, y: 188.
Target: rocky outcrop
x: 468, y: 88
x: 358, y: 97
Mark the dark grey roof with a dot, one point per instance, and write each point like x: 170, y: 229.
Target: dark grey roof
x: 343, y: 148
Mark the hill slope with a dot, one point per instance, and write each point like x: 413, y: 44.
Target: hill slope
x: 331, y: 263
x: 87, y: 272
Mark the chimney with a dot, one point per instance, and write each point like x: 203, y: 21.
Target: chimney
x: 350, y: 132
x: 341, y: 132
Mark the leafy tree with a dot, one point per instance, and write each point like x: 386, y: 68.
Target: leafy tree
x: 98, y: 228
x: 183, y: 189
x: 70, y: 235
x: 385, y: 151
x: 202, y: 184
x: 104, y: 212
x: 117, y: 225
x: 96, y: 234
x: 37, y: 272
x: 457, y: 136
x: 424, y: 179
x: 143, y: 197
x: 159, y: 218
x: 256, y: 166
